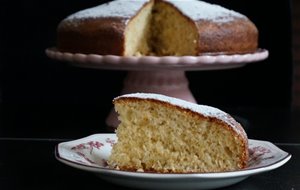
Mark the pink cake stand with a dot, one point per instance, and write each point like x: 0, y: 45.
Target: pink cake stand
x: 163, y: 75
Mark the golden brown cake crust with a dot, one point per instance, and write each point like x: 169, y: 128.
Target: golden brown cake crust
x: 223, y: 119
x: 238, y: 36
x: 92, y: 36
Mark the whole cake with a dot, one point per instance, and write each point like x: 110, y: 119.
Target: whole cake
x: 157, y: 27
x: 162, y: 134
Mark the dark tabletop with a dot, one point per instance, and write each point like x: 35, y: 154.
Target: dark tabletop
x: 30, y: 163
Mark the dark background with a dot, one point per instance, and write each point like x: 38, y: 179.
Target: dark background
x: 41, y: 97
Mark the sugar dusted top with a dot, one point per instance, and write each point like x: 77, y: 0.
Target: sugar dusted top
x: 204, y: 110
x: 117, y: 8
x: 196, y: 10
x: 200, y: 10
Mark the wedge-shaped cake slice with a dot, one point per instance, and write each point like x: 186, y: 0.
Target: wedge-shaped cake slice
x: 162, y: 134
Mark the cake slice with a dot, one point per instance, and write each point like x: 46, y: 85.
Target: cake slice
x: 162, y: 134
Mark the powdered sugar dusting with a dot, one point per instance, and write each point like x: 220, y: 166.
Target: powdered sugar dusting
x: 207, y: 111
x: 199, y: 10
x: 117, y: 8
x: 196, y: 10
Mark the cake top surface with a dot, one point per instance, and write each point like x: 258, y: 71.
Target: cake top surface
x: 200, y: 10
x: 204, y: 110
x: 196, y: 10
x: 117, y: 8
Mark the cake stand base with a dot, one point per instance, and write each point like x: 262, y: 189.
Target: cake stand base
x: 171, y: 83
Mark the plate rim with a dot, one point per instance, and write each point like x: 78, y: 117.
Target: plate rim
x: 216, y: 175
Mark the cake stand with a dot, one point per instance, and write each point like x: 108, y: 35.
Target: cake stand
x: 152, y: 74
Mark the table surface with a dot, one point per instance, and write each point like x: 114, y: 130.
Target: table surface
x: 29, y: 163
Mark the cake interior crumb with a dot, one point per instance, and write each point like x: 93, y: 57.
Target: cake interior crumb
x: 160, y: 29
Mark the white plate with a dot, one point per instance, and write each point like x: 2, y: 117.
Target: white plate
x: 90, y: 154
x: 201, y: 62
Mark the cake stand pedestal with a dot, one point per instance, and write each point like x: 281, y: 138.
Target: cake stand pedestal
x: 152, y: 74
x: 167, y: 82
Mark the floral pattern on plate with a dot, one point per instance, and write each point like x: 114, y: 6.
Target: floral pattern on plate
x: 91, y: 154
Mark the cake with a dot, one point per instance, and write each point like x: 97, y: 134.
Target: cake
x: 162, y: 134
x: 157, y: 27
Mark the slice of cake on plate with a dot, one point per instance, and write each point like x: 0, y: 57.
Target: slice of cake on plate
x: 162, y: 134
